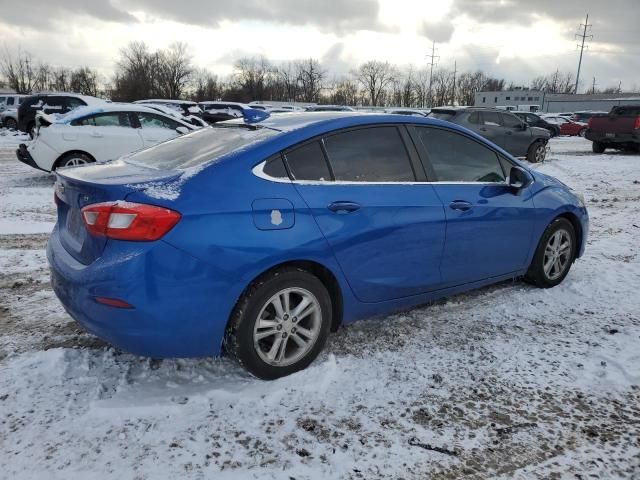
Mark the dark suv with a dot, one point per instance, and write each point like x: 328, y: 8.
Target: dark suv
x: 501, y: 127
x: 534, y: 120
x: 49, y: 103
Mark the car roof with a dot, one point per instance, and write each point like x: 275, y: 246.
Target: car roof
x: 89, y: 100
x: 221, y: 102
x: 166, y: 100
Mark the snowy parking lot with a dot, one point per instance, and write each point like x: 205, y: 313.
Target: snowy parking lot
x: 509, y: 381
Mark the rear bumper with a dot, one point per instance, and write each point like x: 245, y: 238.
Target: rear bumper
x: 177, y: 310
x: 25, y: 157
x: 616, y: 139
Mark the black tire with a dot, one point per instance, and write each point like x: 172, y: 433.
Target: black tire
x: 582, y: 132
x: 536, y: 274
x: 537, y: 152
x: 11, y: 124
x: 598, y: 147
x: 239, y: 338
x: 31, y: 129
x: 73, y: 159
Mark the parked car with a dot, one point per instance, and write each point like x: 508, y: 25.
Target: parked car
x: 534, y: 120
x: 620, y: 129
x: 9, y: 110
x: 406, y: 111
x: 501, y: 127
x: 213, y: 112
x: 260, y: 106
x: 568, y: 127
x: 97, y: 134
x: 188, y: 109
x: 584, y: 117
x: 50, y: 103
x: 329, y: 108
x: 275, y: 233
x: 178, y: 113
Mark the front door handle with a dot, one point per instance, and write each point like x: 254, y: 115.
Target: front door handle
x: 483, y: 129
x: 460, y: 205
x: 343, y: 207
x: 97, y: 135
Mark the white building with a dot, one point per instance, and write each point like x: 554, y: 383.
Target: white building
x: 509, y: 98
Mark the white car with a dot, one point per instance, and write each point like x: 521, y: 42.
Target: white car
x: 97, y: 134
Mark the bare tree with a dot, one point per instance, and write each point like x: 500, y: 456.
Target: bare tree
x: 174, y: 70
x: 310, y: 79
x: 18, y: 70
x: 344, y: 92
x: 375, y: 77
x: 251, y: 75
x: 206, y: 86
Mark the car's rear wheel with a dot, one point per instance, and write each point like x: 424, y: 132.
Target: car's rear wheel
x: 280, y: 324
x: 598, y: 147
x: 554, y: 255
x: 582, y: 132
x: 11, y: 124
x: 74, y: 159
x: 537, y: 152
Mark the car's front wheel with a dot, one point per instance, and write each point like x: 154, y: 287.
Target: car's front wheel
x: 537, y: 152
x: 554, y: 255
x: 598, y: 147
x: 280, y: 324
x: 582, y: 132
x: 11, y: 124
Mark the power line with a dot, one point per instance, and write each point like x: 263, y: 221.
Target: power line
x: 584, y: 36
x: 433, y: 62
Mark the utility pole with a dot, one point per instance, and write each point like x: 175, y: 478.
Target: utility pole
x: 455, y: 70
x: 593, y: 87
x: 583, y: 36
x: 433, y: 62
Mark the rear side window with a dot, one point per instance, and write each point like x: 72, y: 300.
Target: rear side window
x: 115, y: 119
x: 456, y: 158
x: 10, y: 100
x: 627, y: 111
x: 274, y: 167
x: 474, y: 118
x: 73, y: 102
x: 369, y: 155
x: 308, y: 163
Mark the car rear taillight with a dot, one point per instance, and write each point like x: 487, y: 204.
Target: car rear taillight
x: 590, y: 122
x: 128, y: 221
x: 636, y: 125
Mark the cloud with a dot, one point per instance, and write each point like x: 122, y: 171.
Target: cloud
x: 337, y: 16
x: 440, y: 32
x: 41, y: 13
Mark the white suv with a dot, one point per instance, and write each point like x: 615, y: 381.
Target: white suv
x: 90, y: 134
x: 9, y: 110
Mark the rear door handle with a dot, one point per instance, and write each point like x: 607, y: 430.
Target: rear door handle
x: 97, y: 135
x: 343, y: 207
x: 460, y: 205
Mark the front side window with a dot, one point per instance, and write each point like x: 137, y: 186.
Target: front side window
x: 491, y: 118
x: 369, y: 155
x: 151, y: 120
x: 10, y: 100
x: 308, y: 163
x: 511, y: 121
x: 456, y: 158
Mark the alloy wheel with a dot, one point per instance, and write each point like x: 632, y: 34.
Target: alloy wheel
x: 287, y: 327
x: 75, y: 161
x: 540, y: 153
x: 557, y: 254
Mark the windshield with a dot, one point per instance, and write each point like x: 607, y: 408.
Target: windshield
x: 199, y: 147
x: 442, y: 114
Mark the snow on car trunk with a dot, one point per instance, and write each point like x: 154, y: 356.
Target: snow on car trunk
x: 506, y: 382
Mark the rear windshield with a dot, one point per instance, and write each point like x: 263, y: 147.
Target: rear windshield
x: 627, y: 111
x: 442, y: 114
x: 199, y: 147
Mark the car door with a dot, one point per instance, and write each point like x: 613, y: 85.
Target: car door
x: 105, y: 136
x: 156, y: 128
x: 386, y: 229
x: 491, y: 127
x: 517, y: 135
x: 489, y: 225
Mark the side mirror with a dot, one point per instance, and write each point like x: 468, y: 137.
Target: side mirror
x: 519, y: 178
x: 182, y: 130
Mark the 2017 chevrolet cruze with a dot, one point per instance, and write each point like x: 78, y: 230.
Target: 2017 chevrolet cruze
x: 259, y: 239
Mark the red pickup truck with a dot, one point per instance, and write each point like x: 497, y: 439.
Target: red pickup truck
x: 620, y: 129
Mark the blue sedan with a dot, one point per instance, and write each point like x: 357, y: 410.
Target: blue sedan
x: 259, y: 239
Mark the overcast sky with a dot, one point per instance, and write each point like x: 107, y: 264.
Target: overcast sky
x: 514, y: 39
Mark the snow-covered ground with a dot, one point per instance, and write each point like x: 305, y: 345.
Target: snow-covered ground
x: 505, y: 382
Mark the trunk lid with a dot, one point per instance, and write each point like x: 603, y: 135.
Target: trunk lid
x: 78, y: 187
